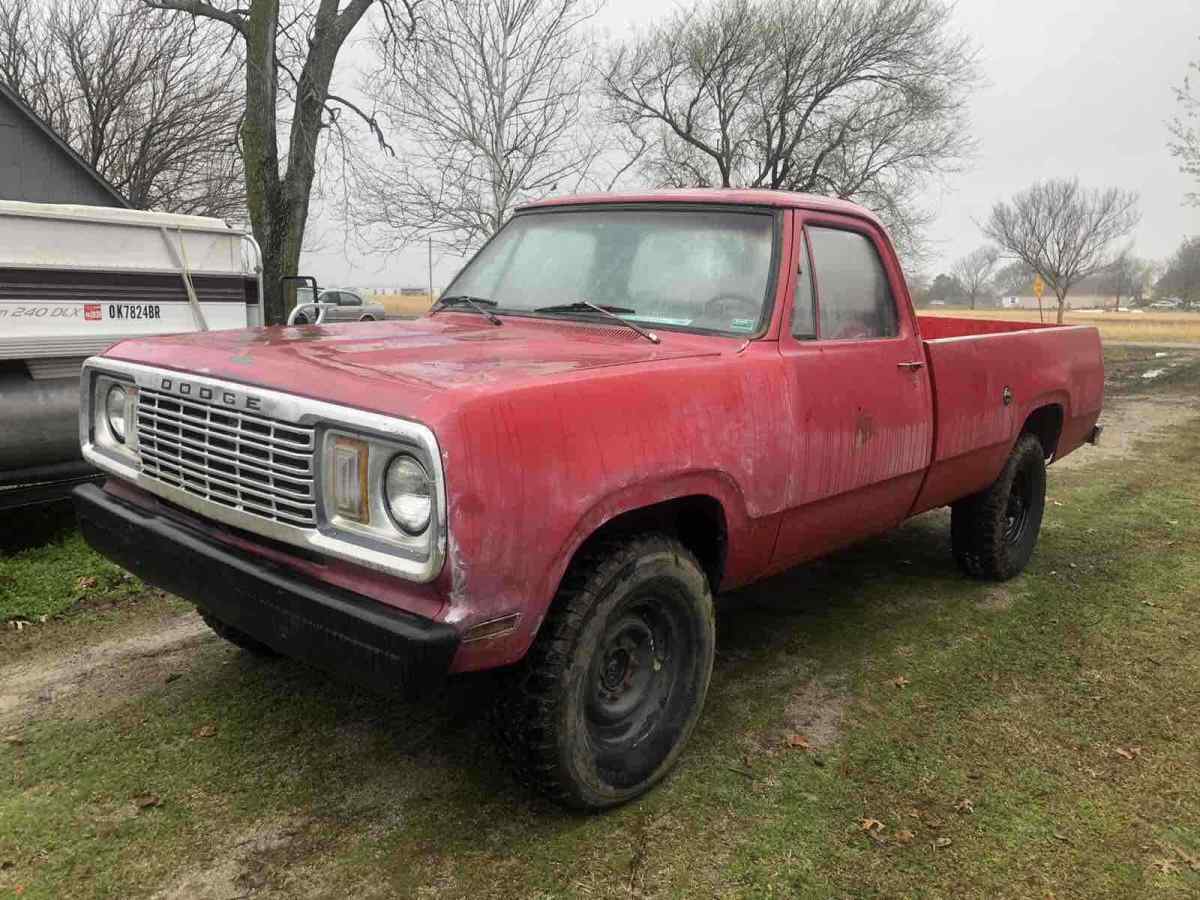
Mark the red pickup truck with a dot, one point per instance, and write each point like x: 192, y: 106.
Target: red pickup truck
x: 622, y: 405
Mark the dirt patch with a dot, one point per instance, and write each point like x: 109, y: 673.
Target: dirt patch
x: 998, y: 599
x: 816, y: 712
x: 1129, y: 420
x: 251, y: 863
x: 89, y: 681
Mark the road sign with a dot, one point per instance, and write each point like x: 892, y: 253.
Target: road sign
x: 1039, y: 286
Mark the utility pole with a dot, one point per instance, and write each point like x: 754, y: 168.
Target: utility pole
x: 431, y: 268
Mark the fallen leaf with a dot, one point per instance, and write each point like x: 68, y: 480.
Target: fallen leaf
x: 942, y: 842
x: 965, y: 805
x: 205, y: 731
x: 901, y: 681
x: 1165, y: 866
x: 798, y: 742
x: 1131, y: 753
x: 147, y: 801
x: 85, y: 583
x: 904, y: 837
x: 173, y: 676
x: 870, y: 825
x: 1059, y: 836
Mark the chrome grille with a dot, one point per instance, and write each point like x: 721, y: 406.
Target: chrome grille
x: 243, y: 461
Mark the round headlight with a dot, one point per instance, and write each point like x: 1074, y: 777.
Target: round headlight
x: 409, y: 494
x: 114, y: 410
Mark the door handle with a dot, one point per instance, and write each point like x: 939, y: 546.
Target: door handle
x: 912, y: 366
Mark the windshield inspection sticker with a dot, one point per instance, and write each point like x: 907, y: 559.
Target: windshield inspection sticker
x: 742, y: 324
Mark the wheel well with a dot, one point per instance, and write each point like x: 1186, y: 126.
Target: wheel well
x: 698, y: 522
x: 1045, y: 423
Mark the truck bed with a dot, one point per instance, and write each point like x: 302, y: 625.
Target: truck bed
x: 1056, y: 372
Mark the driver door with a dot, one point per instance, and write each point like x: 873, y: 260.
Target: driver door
x: 860, y: 403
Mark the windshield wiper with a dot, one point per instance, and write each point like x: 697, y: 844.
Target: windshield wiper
x: 610, y: 311
x: 479, y: 304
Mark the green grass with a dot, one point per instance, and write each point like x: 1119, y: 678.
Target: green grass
x: 47, y: 580
x: 1019, y: 698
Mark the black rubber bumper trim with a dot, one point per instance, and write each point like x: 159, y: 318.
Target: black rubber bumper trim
x: 348, y: 635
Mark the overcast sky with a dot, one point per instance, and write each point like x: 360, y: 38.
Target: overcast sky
x: 1071, y: 87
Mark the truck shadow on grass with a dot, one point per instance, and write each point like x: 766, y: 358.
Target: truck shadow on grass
x: 361, y: 753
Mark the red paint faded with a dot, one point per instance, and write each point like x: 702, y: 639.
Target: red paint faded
x: 550, y: 429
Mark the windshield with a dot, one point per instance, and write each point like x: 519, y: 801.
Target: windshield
x: 693, y: 269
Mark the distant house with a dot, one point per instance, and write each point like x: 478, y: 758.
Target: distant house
x: 38, y: 166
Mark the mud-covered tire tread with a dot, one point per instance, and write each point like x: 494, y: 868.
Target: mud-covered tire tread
x: 976, y: 522
x: 238, y: 638
x: 524, y: 721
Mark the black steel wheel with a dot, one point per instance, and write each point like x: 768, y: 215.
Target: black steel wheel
x: 995, y: 532
x: 605, y: 701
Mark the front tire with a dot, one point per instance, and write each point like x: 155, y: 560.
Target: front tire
x: 602, y: 706
x: 994, y: 533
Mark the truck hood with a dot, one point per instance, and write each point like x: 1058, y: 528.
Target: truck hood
x: 401, y: 368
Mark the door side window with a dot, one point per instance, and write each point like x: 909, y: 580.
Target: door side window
x: 803, y: 325
x: 853, y: 293
x: 345, y: 299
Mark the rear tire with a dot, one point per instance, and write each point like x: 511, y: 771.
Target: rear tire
x: 367, y: 319
x: 993, y: 533
x: 600, y: 709
x: 238, y: 638
x: 301, y: 320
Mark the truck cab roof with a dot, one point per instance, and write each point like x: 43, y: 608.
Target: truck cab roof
x: 722, y: 196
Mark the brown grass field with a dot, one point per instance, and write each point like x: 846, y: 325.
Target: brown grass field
x: 406, y: 305
x: 1148, y: 326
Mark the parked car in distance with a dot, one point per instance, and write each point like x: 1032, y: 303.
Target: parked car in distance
x: 345, y: 305
x: 622, y: 405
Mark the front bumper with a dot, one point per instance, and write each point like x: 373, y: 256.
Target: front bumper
x: 346, y: 634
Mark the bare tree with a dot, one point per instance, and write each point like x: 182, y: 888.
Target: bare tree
x: 863, y: 99
x: 492, y: 100
x: 1185, y: 130
x: 1126, y: 276
x: 1062, y: 231
x: 1014, y: 279
x: 146, y: 100
x: 974, y: 272
x: 290, y: 52
x: 1181, y: 276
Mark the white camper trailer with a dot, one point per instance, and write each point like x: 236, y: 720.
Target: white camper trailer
x: 73, y: 281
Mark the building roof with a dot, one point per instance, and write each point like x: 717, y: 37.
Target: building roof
x: 24, y: 108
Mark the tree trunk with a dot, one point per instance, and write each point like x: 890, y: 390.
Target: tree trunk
x: 260, y: 147
x: 1062, y: 306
